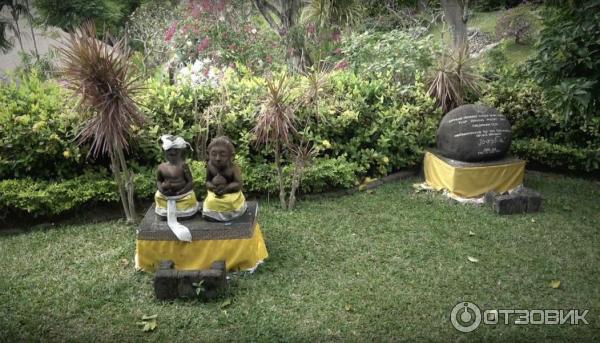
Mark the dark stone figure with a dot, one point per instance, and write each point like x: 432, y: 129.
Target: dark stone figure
x: 222, y: 175
x: 170, y: 283
x: 174, y: 177
x: 474, y: 133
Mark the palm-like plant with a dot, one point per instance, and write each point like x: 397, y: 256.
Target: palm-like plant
x: 454, y: 76
x: 102, y: 77
x: 276, y: 123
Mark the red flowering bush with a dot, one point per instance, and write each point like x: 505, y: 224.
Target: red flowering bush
x: 222, y: 33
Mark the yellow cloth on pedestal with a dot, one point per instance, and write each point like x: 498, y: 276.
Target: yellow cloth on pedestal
x: 225, y: 207
x: 239, y: 254
x: 472, y: 180
x: 186, y: 206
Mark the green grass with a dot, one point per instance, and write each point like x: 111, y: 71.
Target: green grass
x: 385, y: 265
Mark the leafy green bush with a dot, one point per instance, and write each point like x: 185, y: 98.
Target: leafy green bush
x: 517, y: 23
x: 396, y: 52
x: 544, y: 153
x: 170, y: 109
x: 359, y: 126
x: 36, y: 132
x: 38, y: 197
x: 538, y: 133
x: 567, y: 63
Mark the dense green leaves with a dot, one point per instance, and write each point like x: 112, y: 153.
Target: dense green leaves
x: 568, y: 60
x: 36, y: 132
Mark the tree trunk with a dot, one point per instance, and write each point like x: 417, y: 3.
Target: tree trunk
x: 15, y: 16
x: 114, y: 161
x: 30, y: 16
x: 455, y: 13
x: 298, y: 169
x: 280, y: 176
x: 283, y: 16
x: 127, y: 179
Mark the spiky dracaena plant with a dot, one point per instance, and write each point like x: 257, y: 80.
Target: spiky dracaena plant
x: 453, y: 77
x: 275, y: 123
x: 102, y: 77
x: 303, y: 154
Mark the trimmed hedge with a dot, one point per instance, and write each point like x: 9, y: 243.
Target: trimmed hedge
x: 40, y: 197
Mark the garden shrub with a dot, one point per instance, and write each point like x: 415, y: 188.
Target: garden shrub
x: 36, y: 131
x: 360, y: 127
x: 39, y: 197
x: 538, y: 133
x: 222, y: 32
x: 396, y: 52
x: 567, y: 64
x: 517, y: 23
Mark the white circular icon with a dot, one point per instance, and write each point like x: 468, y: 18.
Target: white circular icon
x: 465, y: 316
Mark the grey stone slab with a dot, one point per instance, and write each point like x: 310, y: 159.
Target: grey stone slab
x: 170, y: 283
x: 153, y: 227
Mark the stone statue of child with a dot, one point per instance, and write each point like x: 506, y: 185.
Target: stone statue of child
x: 222, y: 175
x: 174, y: 176
x: 175, y: 197
x: 225, y: 200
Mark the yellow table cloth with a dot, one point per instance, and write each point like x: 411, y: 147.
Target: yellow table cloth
x: 239, y: 254
x: 471, y: 180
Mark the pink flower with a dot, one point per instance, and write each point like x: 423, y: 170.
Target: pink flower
x: 204, y: 44
x: 311, y: 28
x: 336, y: 35
x: 171, y: 32
x: 337, y: 51
x: 341, y: 65
x: 269, y: 58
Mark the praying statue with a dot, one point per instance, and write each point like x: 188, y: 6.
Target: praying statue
x: 175, y: 197
x: 225, y: 200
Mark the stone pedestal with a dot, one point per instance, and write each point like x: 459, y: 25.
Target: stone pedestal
x: 523, y: 200
x: 239, y: 243
x: 169, y: 283
x: 472, y: 179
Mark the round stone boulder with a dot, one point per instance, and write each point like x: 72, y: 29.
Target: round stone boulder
x: 474, y: 133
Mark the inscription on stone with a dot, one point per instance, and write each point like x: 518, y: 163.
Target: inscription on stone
x: 474, y: 133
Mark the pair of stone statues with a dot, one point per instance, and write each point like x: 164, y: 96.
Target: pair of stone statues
x: 175, y: 197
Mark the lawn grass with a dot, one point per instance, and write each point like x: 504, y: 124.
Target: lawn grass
x: 382, y: 265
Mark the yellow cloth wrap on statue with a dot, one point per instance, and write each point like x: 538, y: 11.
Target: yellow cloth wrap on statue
x: 224, y: 208
x: 472, y: 181
x: 187, y: 205
x: 239, y: 254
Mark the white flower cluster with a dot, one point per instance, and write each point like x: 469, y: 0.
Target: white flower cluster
x: 201, y: 73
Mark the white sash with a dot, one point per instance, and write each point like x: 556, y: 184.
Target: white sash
x: 181, y: 231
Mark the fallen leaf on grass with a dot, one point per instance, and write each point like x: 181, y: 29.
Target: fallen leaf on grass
x: 225, y: 303
x: 555, y: 284
x: 471, y: 233
x: 348, y: 307
x: 149, y: 326
x: 472, y: 259
x: 148, y: 323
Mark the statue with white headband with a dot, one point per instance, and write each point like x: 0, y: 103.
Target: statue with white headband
x: 175, y: 196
